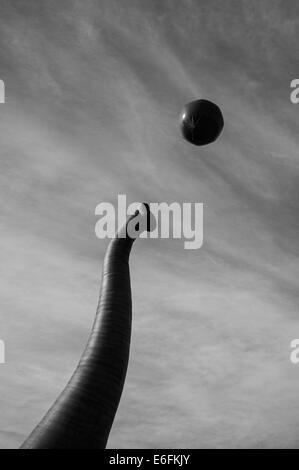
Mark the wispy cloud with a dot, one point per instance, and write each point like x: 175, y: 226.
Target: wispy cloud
x: 94, y: 90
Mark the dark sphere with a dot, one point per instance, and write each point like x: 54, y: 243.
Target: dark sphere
x: 201, y: 122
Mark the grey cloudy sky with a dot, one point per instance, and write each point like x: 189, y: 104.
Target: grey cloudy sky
x: 94, y: 90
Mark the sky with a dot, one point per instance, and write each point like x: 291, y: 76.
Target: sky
x: 93, y: 94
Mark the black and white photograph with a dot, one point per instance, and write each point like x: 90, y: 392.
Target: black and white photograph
x: 149, y: 227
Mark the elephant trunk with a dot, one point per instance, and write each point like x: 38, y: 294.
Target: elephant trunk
x: 82, y: 416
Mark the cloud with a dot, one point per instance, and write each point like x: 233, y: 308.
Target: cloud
x: 94, y: 91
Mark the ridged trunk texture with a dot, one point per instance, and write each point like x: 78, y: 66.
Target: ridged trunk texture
x: 82, y: 416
